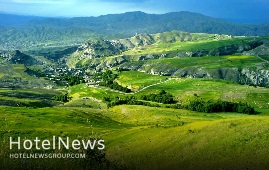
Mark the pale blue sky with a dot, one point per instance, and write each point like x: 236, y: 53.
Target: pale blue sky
x: 238, y: 9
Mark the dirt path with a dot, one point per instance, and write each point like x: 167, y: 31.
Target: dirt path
x: 262, y: 59
x: 144, y: 88
x: 153, y: 85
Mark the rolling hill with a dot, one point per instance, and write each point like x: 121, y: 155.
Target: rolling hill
x: 180, y: 54
x: 159, y: 100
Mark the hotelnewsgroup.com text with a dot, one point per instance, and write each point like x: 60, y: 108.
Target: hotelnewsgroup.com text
x: 47, y: 155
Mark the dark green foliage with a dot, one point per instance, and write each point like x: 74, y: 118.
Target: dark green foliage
x: 107, y: 99
x: 62, y: 97
x: 37, y: 73
x: 198, y: 105
x: 53, y: 53
x: 162, y: 97
x: 107, y: 79
x: 130, y: 100
x: 96, y: 159
x: 18, y: 57
x: 219, y: 106
x: 73, y: 80
x: 116, y: 86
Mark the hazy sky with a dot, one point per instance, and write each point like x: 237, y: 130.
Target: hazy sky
x: 238, y: 9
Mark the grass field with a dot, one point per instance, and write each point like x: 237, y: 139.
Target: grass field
x: 137, y: 80
x: 160, y: 48
x: 162, y: 138
x: 240, y: 143
x: 184, y: 90
x: 15, y: 75
x: 209, y: 62
x: 138, y: 137
x: 28, y: 97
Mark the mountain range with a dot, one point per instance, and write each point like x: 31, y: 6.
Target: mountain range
x: 17, y: 32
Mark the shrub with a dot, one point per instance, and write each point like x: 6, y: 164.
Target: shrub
x: 62, y: 97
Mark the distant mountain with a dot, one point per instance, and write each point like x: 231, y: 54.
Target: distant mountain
x: 15, y: 20
x: 129, y: 23
x: 248, y: 21
x: 37, y: 31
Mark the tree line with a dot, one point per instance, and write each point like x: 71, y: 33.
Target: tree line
x: 220, y: 106
x: 62, y: 97
x: 107, y: 79
x: 164, y: 99
x: 212, y: 106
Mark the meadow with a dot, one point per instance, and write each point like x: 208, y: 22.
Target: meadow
x: 138, y: 137
x: 163, y: 138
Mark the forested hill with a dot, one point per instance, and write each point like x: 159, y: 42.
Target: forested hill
x: 138, y: 22
x: 36, y: 31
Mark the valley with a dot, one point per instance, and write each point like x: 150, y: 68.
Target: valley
x: 158, y: 100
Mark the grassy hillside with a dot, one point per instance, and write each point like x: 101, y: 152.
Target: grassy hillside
x: 182, y: 90
x: 155, y: 136
x: 208, y: 62
x: 28, y: 97
x: 237, y: 143
x: 16, y: 76
x: 140, y: 137
x: 169, y: 138
x: 209, y: 41
x: 137, y: 80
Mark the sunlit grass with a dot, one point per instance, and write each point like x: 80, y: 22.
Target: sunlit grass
x: 137, y: 80
x: 183, y: 46
x: 230, y: 143
x: 210, y: 62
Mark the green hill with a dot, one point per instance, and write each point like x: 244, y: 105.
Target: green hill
x: 141, y: 137
x: 183, y: 90
x: 17, y: 57
x: 180, y: 54
x: 143, y: 95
